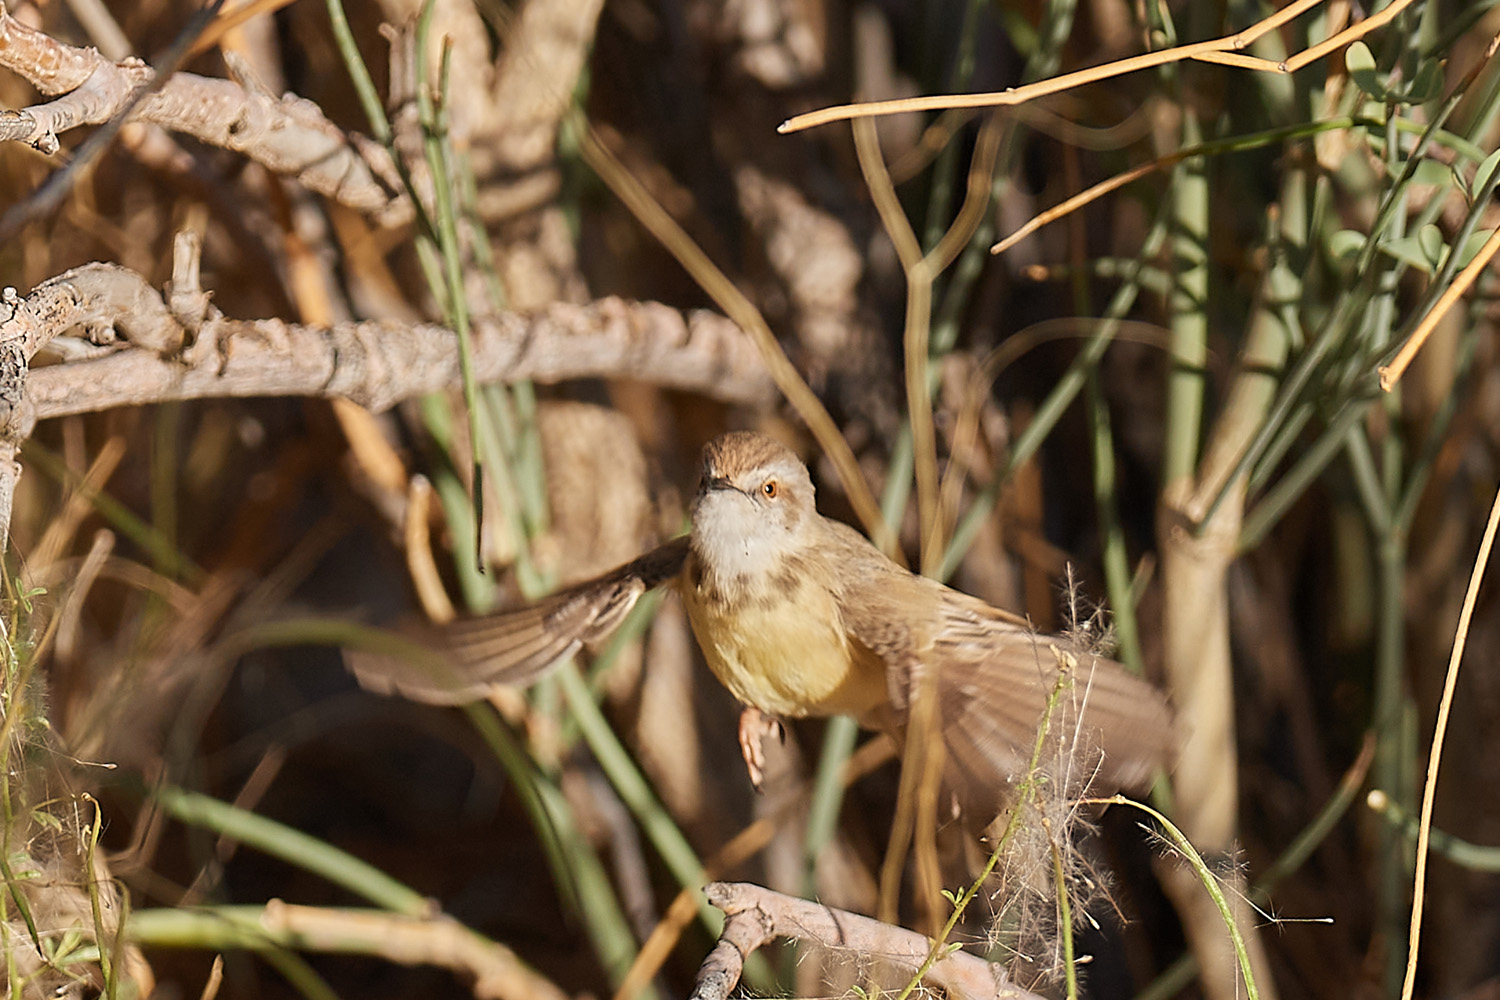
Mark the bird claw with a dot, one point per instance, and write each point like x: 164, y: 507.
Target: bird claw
x: 755, y: 726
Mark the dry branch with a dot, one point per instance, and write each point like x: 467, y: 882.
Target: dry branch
x: 497, y: 972
x: 1225, y: 51
x: 376, y: 364
x: 287, y: 135
x: 437, y: 940
x: 379, y: 364
x: 756, y: 916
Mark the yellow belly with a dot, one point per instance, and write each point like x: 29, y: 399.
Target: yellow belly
x: 788, y: 657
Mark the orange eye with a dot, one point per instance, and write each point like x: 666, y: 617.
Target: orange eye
x: 770, y: 489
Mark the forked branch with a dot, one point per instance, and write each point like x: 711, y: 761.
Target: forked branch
x: 757, y: 916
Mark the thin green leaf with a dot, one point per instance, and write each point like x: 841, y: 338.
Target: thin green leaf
x: 1360, y: 63
x: 1486, y: 170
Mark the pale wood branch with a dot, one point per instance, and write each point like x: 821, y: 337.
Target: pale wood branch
x: 756, y: 916
x: 377, y: 364
x: 434, y: 939
x: 287, y: 135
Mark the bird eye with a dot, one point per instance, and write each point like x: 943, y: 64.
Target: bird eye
x: 770, y: 488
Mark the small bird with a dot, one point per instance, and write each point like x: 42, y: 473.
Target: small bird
x: 800, y: 616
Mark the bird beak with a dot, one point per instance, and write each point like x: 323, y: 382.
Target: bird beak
x: 712, y: 483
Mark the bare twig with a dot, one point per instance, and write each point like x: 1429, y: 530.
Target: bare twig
x: 1435, y: 755
x: 756, y: 916
x: 1226, y: 51
x: 376, y: 364
x: 1391, y: 374
x: 287, y: 135
x: 498, y: 974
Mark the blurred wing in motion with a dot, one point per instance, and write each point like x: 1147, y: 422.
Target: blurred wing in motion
x: 1110, y: 730
x: 460, y: 662
x: 992, y: 677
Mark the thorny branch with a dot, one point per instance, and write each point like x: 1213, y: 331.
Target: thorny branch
x: 287, y: 135
x: 376, y: 363
x: 756, y: 916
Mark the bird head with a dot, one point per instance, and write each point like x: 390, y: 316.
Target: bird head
x: 755, y: 505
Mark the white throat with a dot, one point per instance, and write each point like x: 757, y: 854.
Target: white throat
x: 737, y: 541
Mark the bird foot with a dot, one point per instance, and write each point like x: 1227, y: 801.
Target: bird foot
x: 755, y: 726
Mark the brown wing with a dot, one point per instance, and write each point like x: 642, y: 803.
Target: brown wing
x: 1107, y: 730
x: 993, y: 677
x: 461, y: 661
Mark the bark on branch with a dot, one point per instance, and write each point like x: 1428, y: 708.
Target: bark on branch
x: 287, y: 135
x: 756, y: 916
x: 376, y: 364
x: 379, y: 364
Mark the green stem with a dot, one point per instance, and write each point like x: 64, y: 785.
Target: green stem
x: 1210, y: 883
x: 1465, y: 854
x: 1117, y: 575
x: 292, y: 846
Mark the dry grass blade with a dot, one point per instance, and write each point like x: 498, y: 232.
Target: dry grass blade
x: 1220, y: 49
x: 744, y: 312
x: 1440, y: 732
x: 1391, y: 374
